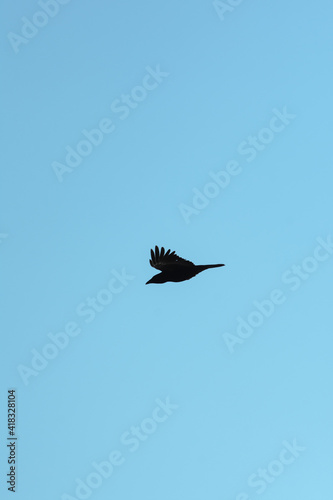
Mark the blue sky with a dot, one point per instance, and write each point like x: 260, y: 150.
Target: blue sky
x: 206, y: 128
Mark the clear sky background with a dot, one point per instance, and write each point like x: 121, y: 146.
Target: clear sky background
x: 170, y: 383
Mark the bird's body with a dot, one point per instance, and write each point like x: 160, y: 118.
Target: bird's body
x: 174, y: 268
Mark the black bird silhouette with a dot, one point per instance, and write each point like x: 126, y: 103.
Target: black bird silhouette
x: 174, y: 268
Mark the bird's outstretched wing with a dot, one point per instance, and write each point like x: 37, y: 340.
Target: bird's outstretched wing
x: 161, y: 259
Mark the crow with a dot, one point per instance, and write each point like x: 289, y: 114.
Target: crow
x: 174, y: 268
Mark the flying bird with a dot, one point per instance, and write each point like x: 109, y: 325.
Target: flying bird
x: 174, y: 268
